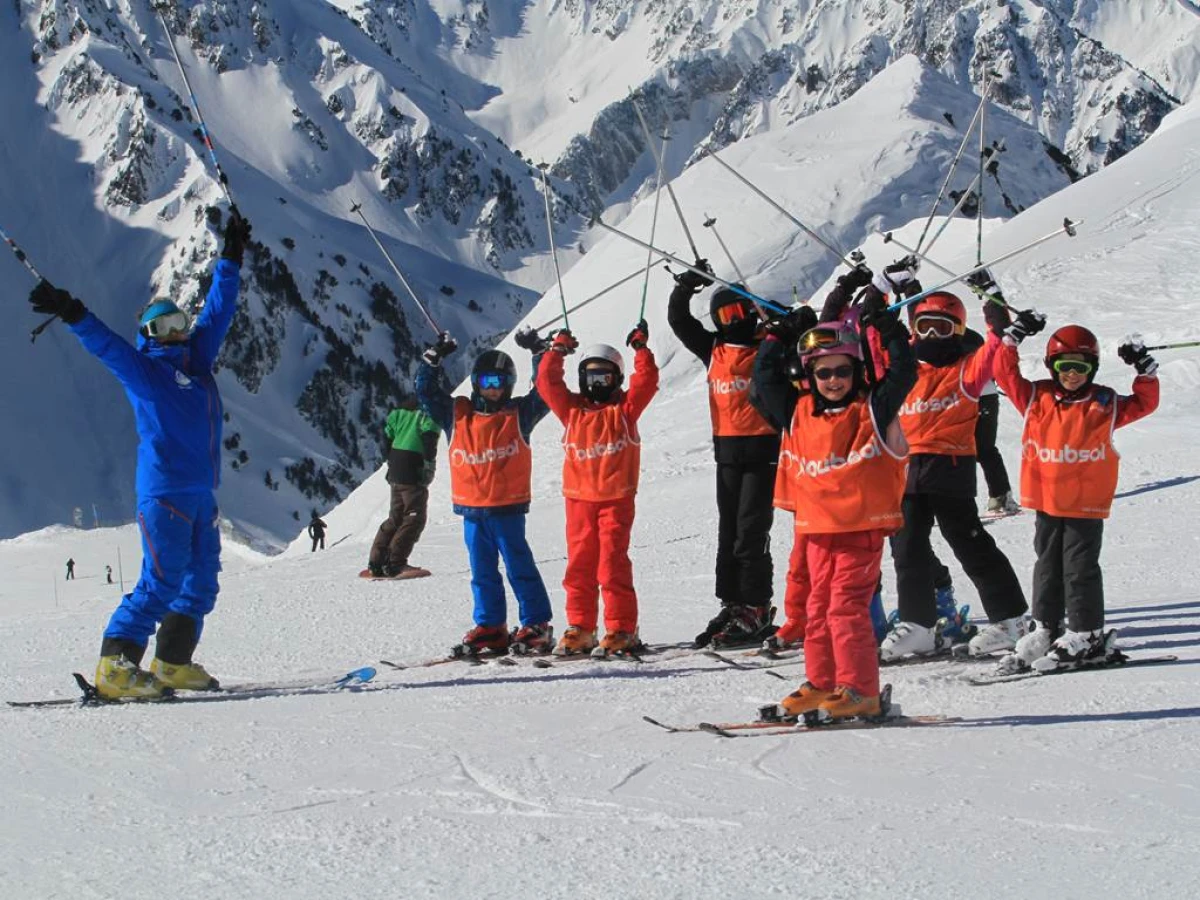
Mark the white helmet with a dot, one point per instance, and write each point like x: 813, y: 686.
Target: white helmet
x: 607, y: 354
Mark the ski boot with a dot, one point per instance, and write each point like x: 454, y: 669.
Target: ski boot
x: 575, y: 641
x: 847, y: 703
x: 480, y: 639
x: 997, y: 637
x: 529, y: 640
x: 958, y: 628
x: 118, y: 678
x: 178, y: 635
x: 911, y: 639
x: 189, y: 676
x: 618, y: 643
x: 715, y: 626
x: 1077, y: 649
x: 780, y: 642
x: 746, y: 626
x: 804, y: 699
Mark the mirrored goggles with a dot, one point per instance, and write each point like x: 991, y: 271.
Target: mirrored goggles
x: 1073, y: 367
x: 172, y: 323
x: 827, y: 372
x: 490, y: 381
x: 601, y: 377
x: 733, y: 312
x: 932, y: 325
x: 823, y: 337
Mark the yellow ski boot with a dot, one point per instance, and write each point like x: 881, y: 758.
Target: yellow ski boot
x: 119, y: 679
x: 184, y: 677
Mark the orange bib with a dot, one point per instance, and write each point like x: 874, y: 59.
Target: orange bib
x: 1068, y: 461
x: 730, y: 374
x: 846, y: 475
x: 785, y: 473
x: 490, y: 463
x: 602, y: 454
x: 939, y: 415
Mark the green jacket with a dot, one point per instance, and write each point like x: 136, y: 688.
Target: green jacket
x: 412, y: 456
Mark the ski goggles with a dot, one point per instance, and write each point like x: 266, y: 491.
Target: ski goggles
x: 175, y: 322
x: 825, y: 336
x: 599, y: 377
x: 827, y: 372
x: 1073, y: 367
x: 932, y: 325
x: 491, y: 381
x: 733, y: 312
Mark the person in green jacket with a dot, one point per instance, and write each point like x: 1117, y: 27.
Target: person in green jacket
x: 412, y: 458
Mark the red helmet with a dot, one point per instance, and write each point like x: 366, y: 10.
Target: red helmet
x: 941, y: 303
x: 1072, y: 339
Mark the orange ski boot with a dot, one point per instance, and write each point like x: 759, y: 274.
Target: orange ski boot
x: 804, y: 699
x: 847, y: 703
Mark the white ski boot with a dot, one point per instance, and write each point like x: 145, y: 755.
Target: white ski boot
x: 1076, y: 649
x: 909, y: 639
x: 997, y: 637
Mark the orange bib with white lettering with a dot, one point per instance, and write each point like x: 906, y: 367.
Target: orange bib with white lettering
x: 785, y: 472
x: 847, y: 476
x: 730, y: 374
x: 490, y: 463
x: 1068, y: 461
x: 939, y: 415
x: 602, y: 456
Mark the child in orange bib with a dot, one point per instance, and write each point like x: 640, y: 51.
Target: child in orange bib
x: 601, y: 465
x: 1069, y: 476
x: 847, y: 466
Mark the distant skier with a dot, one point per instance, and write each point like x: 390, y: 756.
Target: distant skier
x: 746, y: 450
x: 412, y: 460
x: 316, y: 531
x: 177, y: 409
x: 70, y: 570
x: 108, y: 574
x: 491, y: 483
x: 1069, y: 476
x: 847, y: 497
x: 601, y: 468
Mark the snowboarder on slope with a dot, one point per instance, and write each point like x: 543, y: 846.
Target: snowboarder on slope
x: 1069, y: 476
x: 601, y: 467
x: 169, y: 380
x: 412, y: 461
x: 746, y: 450
x: 491, y: 469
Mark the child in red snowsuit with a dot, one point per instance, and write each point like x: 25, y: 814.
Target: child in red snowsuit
x: 847, y: 470
x: 601, y: 465
x: 1069, y: 476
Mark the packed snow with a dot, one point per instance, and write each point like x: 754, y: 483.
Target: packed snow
x: 481, y: 782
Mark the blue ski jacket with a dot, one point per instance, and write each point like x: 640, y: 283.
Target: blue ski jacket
x: 174, y: 395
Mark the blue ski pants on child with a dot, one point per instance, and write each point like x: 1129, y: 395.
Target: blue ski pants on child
x: 181, y: 556
x: 490, y: 538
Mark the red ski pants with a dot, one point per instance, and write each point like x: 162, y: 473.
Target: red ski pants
x: 839, y: 643
x: 795, y: 597
x: 598, y: 561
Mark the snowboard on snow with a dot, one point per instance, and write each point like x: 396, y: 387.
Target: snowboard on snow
x: 407, y: 575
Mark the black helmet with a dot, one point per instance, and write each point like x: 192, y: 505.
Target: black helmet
x: 494, y: 362
x: 733, y: 315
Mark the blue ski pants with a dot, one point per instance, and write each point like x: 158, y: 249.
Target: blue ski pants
x: 181, y: 556
x: 489, y: 539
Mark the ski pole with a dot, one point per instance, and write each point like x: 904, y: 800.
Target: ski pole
x: 612, y: 287
x: 937, y: 201
x: 658, y: 184
x: 29, y: 267
x: 212, y: 153
x: 553, y: 250
x: 889, y: 238
x: 1068, y: 227
x: 1177, y: 346
x: 357, y: 208
x: 984, y: 158
x: 746, y: 181
x: 670, y: 190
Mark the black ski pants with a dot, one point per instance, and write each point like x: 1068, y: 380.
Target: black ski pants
x: 1066, y: 577
x: 402, y: 528
x: 975, y: 549
x: 744, y: 515
x: 990, y: 460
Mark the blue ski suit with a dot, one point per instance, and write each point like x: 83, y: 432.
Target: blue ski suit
x: 178, y: 413
x: 494, y: 532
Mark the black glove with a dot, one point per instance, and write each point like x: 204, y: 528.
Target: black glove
x: 887, y: 323
x: 1028, y: 322
x: 52, y: 301
x: 527, y: 339
x: 443, y: 347
x: 900, y: 278
x: 998, y: 318
x: 789, y: 326
x: 237, y: 236
x: 858, y: 277
x: 983, y: 282
x: 694, y: 281
x: 639, y: 336
x: 1134, y: 353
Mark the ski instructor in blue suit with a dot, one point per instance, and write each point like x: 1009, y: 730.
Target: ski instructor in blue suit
x: 169, y: 381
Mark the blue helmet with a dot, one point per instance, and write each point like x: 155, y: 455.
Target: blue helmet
x: 162, y: 317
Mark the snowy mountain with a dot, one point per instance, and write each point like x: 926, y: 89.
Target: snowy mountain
x: 465, y: 782
x: 411, y: 109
